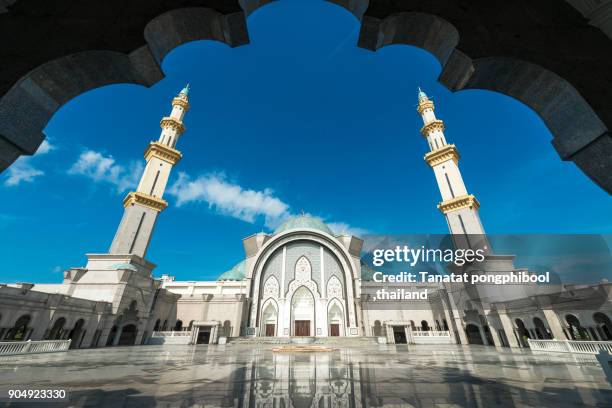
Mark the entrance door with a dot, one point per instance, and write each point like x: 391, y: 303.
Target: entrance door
x: 399, y: 335
x: 270, y: 330
x: 302, y: 327
x: 334, y: 329
x: 203, y: 336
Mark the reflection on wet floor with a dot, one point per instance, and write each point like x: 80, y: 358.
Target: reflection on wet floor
x: 374, y: 376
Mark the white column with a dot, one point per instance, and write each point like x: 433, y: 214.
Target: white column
x: 323, y: 286
x: 283, y: 268
x: 284, y: 304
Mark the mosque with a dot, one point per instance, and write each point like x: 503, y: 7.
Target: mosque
x: 302, y: 280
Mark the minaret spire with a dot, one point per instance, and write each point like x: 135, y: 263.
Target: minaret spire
x: 143, y: 205
x: 459, y: 207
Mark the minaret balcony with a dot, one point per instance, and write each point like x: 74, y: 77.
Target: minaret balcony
x: 444, y: 153
x: 145, y: 200
x: 458, y: 203
x: 425, y: 104
x: 162, y: 152
x: 432, y: 126
x: 172, y: 123
x: 182, y: 102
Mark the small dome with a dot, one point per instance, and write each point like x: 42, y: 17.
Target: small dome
x: 123, y: 266
x: 235, y: 274
x: 303, y: 222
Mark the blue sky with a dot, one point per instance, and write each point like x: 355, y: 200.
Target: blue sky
x: 299, y: 119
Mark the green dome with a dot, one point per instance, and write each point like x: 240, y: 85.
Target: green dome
x: 303, y: 221
x: 235, y: 274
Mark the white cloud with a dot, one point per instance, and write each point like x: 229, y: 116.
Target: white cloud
x: 23, y: 171
x: 342, y: 228
x: 100, y: 168
x: 229, y: 198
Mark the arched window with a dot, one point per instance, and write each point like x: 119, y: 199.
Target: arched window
x: 473, y: 334
x: 178, y: 326
x: 227, y: 328
x: 111, y: 336
x: 577, y: 332
x: 540, y: 329
x: 523, y: 333
x: 164, y: 326
x: 57, y: 329
x: 424, y: 325
x: 128, y: 335
x: 20, y: 329
x: 156, y: 327
x: 604, y: 326
x: 377, y: 328
x: 445, y: 324
x: 190, y: 325
x: 76, y: 333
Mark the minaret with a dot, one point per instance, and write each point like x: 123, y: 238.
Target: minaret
x: 143, y: 205
x: 459, y: 207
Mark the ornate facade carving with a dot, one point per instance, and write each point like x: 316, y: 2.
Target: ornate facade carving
x: 303, y: 270
x: 334, y: 288
x: 271, y: 288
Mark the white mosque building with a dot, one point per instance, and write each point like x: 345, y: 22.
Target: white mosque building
x: 301, y: 280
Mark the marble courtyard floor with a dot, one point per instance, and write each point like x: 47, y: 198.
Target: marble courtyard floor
x: 373, y: 376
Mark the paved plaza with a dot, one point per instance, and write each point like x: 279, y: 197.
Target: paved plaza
x: 256, y: 376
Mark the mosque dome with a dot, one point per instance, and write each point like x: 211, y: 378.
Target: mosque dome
x: 303, y: 221
x: 235, y: 274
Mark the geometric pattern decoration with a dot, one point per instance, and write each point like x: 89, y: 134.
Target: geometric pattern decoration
x: 303, y: 270
x: 334, y: 288
x: 271, y: 288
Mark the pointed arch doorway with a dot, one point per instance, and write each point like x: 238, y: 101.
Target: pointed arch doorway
x: 302, y: 312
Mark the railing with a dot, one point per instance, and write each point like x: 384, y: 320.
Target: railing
x: 570, y: 346
x: 171, y: 333
x: 9, y: 348
x: 430, y: 333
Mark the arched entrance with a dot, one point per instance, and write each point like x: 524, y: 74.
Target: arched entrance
x: 111, y: 336
x: 540, y: 329
x: 335, y: 320
x: 473, y: 334
x: 523, y: 333
x: 20, y: 330
x: 57, y: 330
x: 269, y: 319
x: 76, y: 333
x: 302, y: 312
x: 128, y: 335
x: 178, y: 326
x: 604, y: 326
x: 576, y: 331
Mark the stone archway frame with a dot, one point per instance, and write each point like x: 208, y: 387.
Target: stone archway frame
x: 311, y: 287
x: 275, y: 305
x: 38, y: 84
x: 30, y: 101
x: 322, y: 238
x: 337, y: 302
x: 580, y: 132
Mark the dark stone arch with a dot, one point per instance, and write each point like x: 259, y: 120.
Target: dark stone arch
x: 54, y: 41
x: 59, y: 51
x: 519, y: 49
